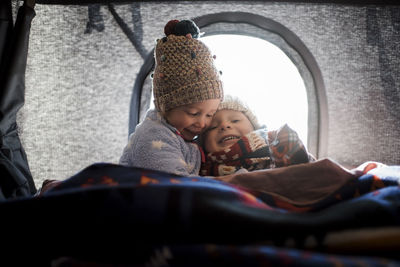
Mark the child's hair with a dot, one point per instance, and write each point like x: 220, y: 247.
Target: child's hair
x: 234, y: 103
x: 184, y: 70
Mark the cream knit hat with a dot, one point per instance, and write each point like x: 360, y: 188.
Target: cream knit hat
x: 234, y: 103
x: 184, y: 71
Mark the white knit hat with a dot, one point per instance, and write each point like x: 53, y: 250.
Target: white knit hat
x: 234, y: 103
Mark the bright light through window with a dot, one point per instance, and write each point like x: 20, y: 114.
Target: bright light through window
x: 263, y: 76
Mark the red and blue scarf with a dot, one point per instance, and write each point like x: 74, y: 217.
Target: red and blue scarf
x: 260, y: 149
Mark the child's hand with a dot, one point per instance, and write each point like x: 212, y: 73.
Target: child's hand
x: 224, y: 178
x: 241, y: 170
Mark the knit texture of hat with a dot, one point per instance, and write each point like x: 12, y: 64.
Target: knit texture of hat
x: 184, y: 71
x: 234, y: 103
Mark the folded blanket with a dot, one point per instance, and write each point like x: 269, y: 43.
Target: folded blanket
x: 301, y: 184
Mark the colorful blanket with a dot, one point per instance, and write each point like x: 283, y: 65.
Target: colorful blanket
x: 111, y: 213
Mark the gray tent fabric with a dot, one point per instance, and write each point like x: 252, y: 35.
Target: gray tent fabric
x: 6, y: 25
x: 15, y: 176
x: 83, y: 62
x: 376, y: 39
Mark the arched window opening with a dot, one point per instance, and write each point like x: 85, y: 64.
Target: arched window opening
x: 290, y: 90
x: 262, y: 75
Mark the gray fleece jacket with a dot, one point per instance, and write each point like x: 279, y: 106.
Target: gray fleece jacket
x: 157, y: 145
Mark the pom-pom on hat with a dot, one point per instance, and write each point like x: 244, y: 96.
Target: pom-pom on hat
x: 234, y: 103
x: 184, y: 72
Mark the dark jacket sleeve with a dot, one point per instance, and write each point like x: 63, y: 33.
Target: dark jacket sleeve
x: 16, y: 179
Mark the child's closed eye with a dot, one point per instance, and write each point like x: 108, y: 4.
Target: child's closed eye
x: 210, y: 115
x: 194, y: 114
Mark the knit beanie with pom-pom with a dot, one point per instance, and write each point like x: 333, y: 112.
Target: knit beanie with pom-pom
x: 184, y: 69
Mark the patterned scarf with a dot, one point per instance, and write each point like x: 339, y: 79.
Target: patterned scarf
x: 260, y: 149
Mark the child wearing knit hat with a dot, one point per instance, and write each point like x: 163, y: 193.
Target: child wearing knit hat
x: 187, y: 91
x: 235, y: 141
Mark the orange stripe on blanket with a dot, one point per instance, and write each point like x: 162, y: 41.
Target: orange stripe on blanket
x: 377, y: 183
x: 103, y: 180
x: 89, y: 182
x: 252, y: 201
x: 287, y: 206
x: 147, y: 180
x: 369, y: 167
x: 108, y: 180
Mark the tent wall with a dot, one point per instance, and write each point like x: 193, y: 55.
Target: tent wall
x: 82, y: 67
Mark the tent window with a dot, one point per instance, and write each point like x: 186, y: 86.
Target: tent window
x: 303, y: 94
x: 264, y: 77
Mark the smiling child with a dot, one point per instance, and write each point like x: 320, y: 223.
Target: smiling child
x: 235, y: 141
x: 187, y: 91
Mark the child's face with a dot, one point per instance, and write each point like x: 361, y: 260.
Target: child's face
x: 227, y: 126
x: 191, y: 120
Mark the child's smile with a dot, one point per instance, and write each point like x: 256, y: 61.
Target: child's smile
x: 191, y: 120
x: 226, y: 128
x: 230, y: 139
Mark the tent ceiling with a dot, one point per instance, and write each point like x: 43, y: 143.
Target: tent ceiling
x: 345, y: 2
